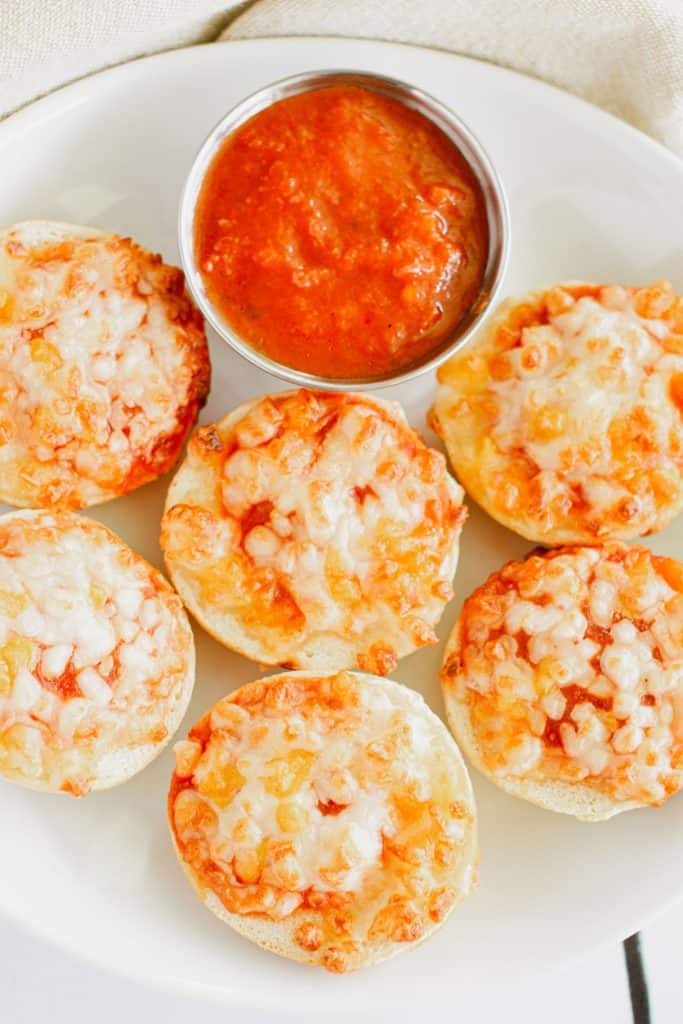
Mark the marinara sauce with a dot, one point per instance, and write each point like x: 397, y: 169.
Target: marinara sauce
x: 341, y: 233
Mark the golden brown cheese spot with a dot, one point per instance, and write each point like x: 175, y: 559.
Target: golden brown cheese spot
x: 564, y: 420
x: 309, y: 936
x: 103, y: 369
x: 314, y: 515
x: 380, y: 660
x: 324, y: 801
x: 94, y: 651
x: 571, y: 665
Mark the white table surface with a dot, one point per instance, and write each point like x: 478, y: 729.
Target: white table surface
x: 38, y: 983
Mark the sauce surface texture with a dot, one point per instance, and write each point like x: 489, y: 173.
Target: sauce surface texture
x: 341, y: 233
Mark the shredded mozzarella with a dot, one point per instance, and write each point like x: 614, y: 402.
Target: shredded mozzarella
x: 103, y: 366
x: 333, y: 795
x: 566, y: 416
x: 72, y: 687
x: 333, y: 517
x: 595, y: 666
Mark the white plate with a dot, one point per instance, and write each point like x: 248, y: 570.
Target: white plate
x: 590, y: 198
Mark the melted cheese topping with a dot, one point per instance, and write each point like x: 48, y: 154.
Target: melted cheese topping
x: 571, y: 666
x: 308, y: 515
x: 103, y: 366
x: 95, y: 651
x: 339, y: 800
x: 564, y: 420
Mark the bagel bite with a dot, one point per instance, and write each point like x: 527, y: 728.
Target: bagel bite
x: 563, y: 679
x: 104, y: 365
x: 563, y: 419
x: 314, y: 530
x: 96, y: 655
x: 329, y: 819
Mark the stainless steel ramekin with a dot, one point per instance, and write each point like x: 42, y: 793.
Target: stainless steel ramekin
x: 451, y: 125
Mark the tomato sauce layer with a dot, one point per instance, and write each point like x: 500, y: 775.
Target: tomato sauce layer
x: 341, y: 233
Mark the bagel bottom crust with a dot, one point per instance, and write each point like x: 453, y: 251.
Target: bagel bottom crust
x: 122, y: 764
x: 276, y: 936
x: 322, y: 652
x: 577, y: 799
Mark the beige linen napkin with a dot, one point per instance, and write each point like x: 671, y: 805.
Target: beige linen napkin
x: 46, y: 43
x: 625, y: 55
